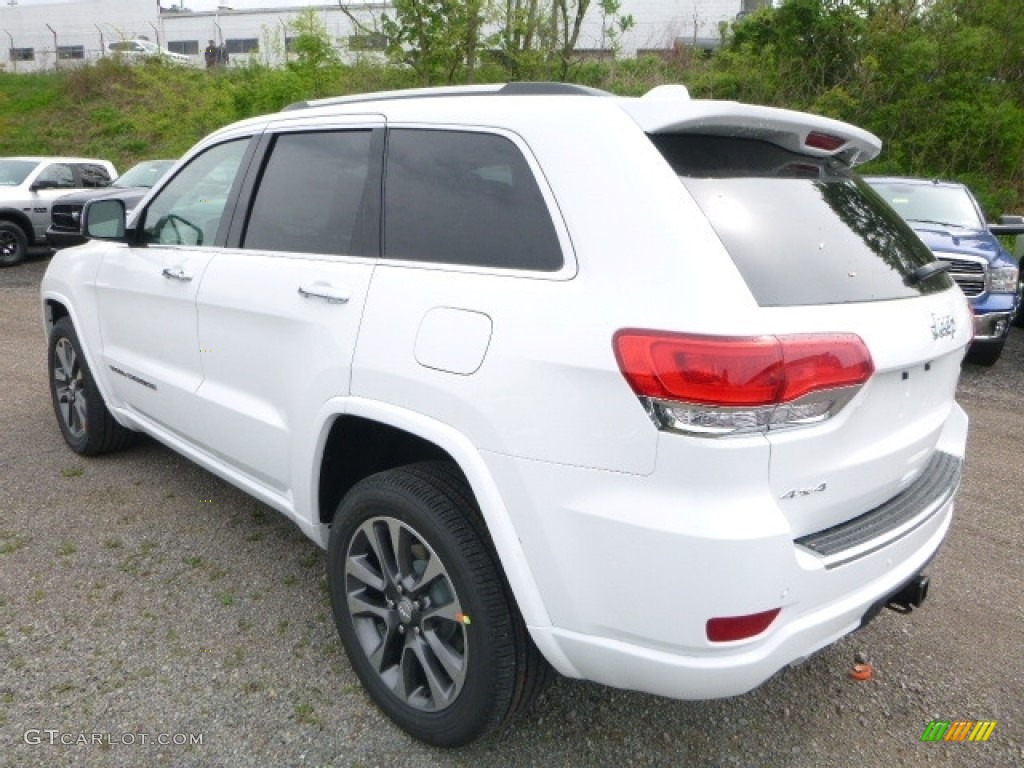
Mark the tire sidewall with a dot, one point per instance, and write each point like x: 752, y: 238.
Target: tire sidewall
x: 477, y: 703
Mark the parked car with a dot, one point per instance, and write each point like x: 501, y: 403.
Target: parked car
x: 140, y: 50
x: 1013, y: 225
x: 654, y: 391
x: 948, y: 218
x: 66, y: 213
x: 28, y: 187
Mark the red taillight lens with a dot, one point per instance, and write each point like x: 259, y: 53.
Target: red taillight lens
x: 725, y: 629
x: 823, y: 141
x: 739, y: 371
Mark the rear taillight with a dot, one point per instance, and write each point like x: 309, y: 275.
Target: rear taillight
x: 823, y: 141
x: 713, y: 385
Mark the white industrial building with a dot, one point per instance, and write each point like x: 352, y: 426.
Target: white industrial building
x: 48, y: 35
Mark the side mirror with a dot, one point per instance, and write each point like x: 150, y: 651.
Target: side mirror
x: 43, y: 184
x: 1008, y: 225
x: 104, y: 219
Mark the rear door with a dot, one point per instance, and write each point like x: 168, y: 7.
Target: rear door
x: 279, y: 310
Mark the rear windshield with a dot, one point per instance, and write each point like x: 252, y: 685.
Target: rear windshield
x: 800, y: 230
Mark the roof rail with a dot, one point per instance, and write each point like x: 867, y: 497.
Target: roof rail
x: 497, y: 89
x: 544, y: 88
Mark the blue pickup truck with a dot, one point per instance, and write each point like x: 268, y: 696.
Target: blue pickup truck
x: 947, y: 217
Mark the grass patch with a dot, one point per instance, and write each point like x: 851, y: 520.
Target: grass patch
x: 72, y: 472
x: 11, y: 542
x: 305, y: 715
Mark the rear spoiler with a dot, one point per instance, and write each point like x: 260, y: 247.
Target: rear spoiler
x: 669, y: 109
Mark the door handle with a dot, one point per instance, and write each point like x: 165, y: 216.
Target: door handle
x: 177, y: 273
x: 323, y: 291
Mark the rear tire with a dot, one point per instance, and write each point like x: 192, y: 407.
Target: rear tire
x: 87, y: 425
x: 422, y: 606
x: 13, y: 244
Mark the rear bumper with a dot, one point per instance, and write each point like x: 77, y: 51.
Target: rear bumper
x: 693, y: 674
x: 631, y: 568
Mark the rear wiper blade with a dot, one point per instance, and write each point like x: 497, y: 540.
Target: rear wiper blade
x: 928, y: 271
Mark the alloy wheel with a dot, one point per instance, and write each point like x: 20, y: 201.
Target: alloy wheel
x: 69, y: 386
x: 406, y: 614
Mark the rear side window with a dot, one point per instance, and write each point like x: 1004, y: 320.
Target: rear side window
x: 800, y: 230
x: 311, y: 193
x: 457, y: 197
x: 93, y: 175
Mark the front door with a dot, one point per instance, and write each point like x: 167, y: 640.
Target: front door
x: 147, y: 291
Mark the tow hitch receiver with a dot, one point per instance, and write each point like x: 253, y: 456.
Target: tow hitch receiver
x: 911, y: 596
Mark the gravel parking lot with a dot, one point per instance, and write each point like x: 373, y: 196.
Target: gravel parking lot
x: 151, y: 614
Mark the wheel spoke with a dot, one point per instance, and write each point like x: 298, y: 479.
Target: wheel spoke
x: 454, y: 663
x: 66, y: 354
x: 65, y: 409
x: 79, y: 414
x: 360, y: 605
x: 440, y: 690
x: 450, y: 611
x: 400, y: 549
x: 359, y: 568
x: 384, y: 651
x: 379, y: 536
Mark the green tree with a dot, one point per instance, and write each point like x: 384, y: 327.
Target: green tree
x: 439, y: 39
x: 316, y: 60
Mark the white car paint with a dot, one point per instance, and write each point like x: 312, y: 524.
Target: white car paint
x: 619, y: 541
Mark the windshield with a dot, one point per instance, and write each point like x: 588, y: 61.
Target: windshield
x: 930, y: 203
x: 801, y: 230
x: 144, y: 174
x: 14, y: 172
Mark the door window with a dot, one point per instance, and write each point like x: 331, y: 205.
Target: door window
x: 312, y: 193
x: 58, y: 175
x: 189, y: 209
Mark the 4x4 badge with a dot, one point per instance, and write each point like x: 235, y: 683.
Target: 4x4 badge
x: 944, y: 325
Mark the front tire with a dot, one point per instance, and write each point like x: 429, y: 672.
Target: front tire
x: 13, y: 244
x: 423, y: 609
x: 87, y: 425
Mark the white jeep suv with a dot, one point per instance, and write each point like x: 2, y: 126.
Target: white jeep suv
x: 654, y: 391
